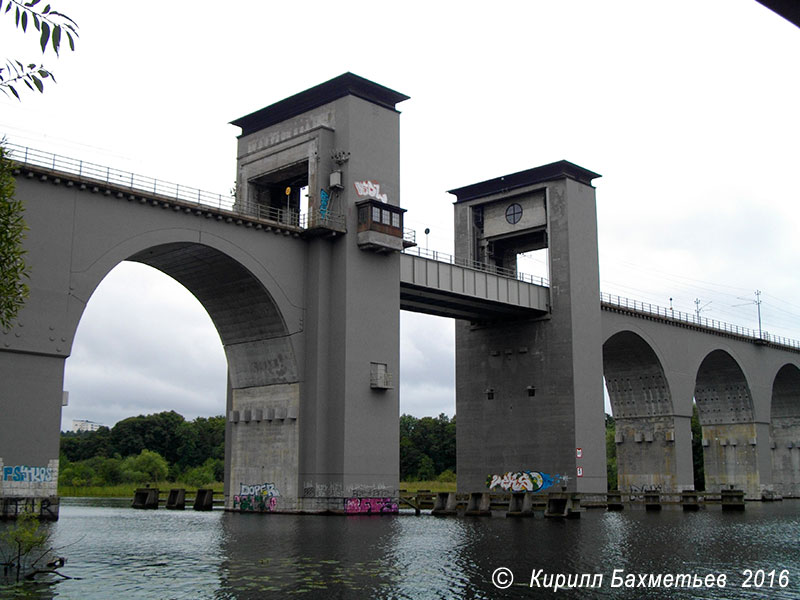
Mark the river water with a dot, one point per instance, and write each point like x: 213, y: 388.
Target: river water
x: 114, y: 551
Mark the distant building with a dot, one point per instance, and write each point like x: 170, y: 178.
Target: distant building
x: 84, y: 425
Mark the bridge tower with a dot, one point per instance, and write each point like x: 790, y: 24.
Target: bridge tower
x: 529, y: 394
x: 339, y: 143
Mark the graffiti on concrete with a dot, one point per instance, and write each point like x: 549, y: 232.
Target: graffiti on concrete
x: 337, y: 490
x: 374, y: 506
x: 324, y: 198
x: 255, y: 503
x: 370, y: 189
x: 28, y: 474
x: 45, y: 508
x: 523, y: 481
x: 259, y: 489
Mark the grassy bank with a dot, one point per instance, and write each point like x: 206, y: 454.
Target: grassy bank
x: 431, y: 486
x: 126, y: 490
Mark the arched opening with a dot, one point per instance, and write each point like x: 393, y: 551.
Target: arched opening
x: 725, y: 411
x: 641, y: 405
x: 144, y: 345
x: 262, y: 391
x: 785, y: 431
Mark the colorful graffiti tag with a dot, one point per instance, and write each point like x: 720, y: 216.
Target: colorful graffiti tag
x: 324, y: 197
x: 374, y: 506
x: 370, y: 189
x: 29, y: 474
x: 255, y: 503
x: 523, y: 481
x: 259, y: 489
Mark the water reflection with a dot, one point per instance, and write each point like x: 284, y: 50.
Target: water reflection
x: 117, y: 551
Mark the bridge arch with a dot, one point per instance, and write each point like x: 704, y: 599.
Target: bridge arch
x: 641, y: 401
x: 727, y: 416
x: 785, y: 430
x: 249, y: 311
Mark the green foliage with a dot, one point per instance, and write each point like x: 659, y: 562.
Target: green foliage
x: 447, y: 476
x: 611, y: 453
x: 198, y: 476
x: 426, y: 468
x: 23, y: 544
x: 52, y: 27
x: 427, y: 446
x: 148, y: 466
x: 83, y: 445
x: 200, y: 440
x: 158, y: 432
x: 194, y: 449
x: 13, y: 271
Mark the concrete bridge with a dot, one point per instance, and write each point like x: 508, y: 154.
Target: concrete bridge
x: 307, y: 308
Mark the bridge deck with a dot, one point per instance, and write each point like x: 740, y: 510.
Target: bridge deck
x: 451, y: 290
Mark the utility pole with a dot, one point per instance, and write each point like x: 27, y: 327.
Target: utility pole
x: 758, y: 305
x: 699, y: 308
x: 757, y: 302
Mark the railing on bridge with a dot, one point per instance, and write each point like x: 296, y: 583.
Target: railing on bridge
x: 336, y: 221
x: 694, y: 319
x: 110, y: 175
x: 478, y: 266
x: 227, y: 202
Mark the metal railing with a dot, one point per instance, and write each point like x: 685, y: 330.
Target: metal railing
x: 478, y: 266
x: 109, y: 175
x: 91, y: 172
x: 694, y: 319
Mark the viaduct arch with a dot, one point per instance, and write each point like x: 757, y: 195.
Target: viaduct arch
x: 746, y: 393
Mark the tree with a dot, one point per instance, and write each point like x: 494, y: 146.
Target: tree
x: 13, y: 271
x: 147, y: 466
x: 52, y: 26
x: 427, y: 446
x: 82, y: 445
x: 426, y: 469
x: 20, y: 542
x: 158, y: 432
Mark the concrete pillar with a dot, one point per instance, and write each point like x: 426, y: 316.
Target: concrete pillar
x: 529, y: 395
x: 31, y: 392
x: 341, y: 140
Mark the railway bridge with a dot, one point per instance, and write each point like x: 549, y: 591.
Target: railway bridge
x: 306, y: 300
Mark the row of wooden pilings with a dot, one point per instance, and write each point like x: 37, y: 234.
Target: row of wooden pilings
x: 517, y: 504
x: 689, y: 501
x: 561, y: 504
x: 150, y: 498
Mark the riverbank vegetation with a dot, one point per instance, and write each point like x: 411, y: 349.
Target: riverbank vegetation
x: 160, y: 449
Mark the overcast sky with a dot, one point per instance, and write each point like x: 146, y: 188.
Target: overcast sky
x: 688, y: 109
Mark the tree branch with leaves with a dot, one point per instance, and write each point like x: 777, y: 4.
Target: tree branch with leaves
x: 52, y: 26
x: 13, y: 271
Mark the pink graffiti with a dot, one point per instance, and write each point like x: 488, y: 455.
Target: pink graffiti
x: 373, y: 506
